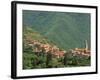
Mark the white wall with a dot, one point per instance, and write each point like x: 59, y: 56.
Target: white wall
x: 5, y: 43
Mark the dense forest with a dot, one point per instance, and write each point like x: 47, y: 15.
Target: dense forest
x: 33, y: 61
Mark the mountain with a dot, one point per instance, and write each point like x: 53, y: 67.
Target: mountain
x: 66, y: 30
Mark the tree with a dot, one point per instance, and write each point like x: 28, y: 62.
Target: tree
x: 53, y: 63
x: 34, y: 60
x: 49, y: 58
x: 27, y: 64
x: 65, y: 59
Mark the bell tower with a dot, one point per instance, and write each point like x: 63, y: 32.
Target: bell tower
x: 86, y: 45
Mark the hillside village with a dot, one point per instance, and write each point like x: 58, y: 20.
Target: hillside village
x: 40, y: 52
x: 82, y: 51
x: 39, y: 47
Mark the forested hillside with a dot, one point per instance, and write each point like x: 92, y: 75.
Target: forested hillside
x: 66, y: 30
x: 40, y: 52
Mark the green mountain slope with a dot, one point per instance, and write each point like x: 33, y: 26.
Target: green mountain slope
x: 30, y: 35
x: 66, y: 30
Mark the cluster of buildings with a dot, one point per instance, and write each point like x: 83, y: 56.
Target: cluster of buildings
x: 82, y: 51
x: 39, y: 47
